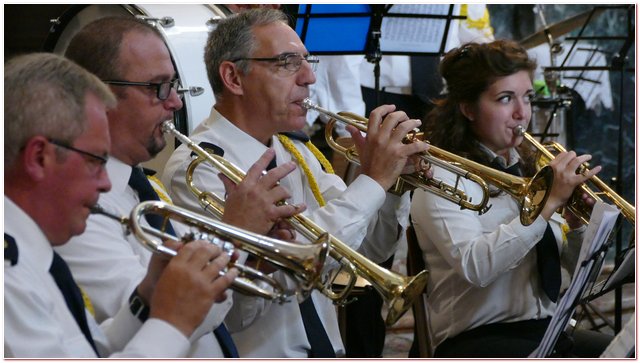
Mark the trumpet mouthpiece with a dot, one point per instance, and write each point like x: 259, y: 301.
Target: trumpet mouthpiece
x: 168, y: 126
x: 306, y: 103
x: 518, y: 130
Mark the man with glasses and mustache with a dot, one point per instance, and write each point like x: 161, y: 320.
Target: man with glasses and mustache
x: 260, y: 73
x: 131, y: 57
x: 56, y: 146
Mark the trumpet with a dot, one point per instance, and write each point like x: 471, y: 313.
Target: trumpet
x: 303, y: 263
x: 531, y: 193
x: 397, y: 291
x: 576, y: 203
x: 407, y: 181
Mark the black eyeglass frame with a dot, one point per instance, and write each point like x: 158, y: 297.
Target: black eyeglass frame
x: 313, y: 60
x: 101, y: 159
x: 174, y: 83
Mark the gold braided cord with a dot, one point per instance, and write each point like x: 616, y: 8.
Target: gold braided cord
x: 288, y: 145
x: 160, y: 189
x: 323, y: 161
x: 163, y: 194
x: 565, y: 229
x: 87, y: 302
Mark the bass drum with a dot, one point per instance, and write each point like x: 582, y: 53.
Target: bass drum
x: 184, y: 28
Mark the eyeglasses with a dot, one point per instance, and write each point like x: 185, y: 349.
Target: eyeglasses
x: 97, y: 162
x: 163, y: 89
x: 289, y: 61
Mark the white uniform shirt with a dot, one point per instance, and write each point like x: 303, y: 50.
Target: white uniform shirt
x: 352, y: 213
x: 109, y: 265
x: 38, y: 323
x: 482, y: 267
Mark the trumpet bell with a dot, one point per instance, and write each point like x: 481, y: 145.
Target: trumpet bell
x: 536, y: 197
x: 404, y: 296
x: 304, y: 263
x: 546, y: 152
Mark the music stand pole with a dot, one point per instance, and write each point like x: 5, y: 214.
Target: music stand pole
x: 618, y: 62
x: 374, y: 53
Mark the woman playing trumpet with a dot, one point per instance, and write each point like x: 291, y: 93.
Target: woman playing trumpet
x: 494, y: 282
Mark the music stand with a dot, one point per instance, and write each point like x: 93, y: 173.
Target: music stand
x: 594, y: 248
x: 373, y: 30
x: 617, y: 64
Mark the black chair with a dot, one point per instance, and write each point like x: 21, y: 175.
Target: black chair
x: 421, y: 347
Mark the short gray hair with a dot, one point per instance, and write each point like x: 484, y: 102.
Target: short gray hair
x: 45, y: 94
x: 233, y: 38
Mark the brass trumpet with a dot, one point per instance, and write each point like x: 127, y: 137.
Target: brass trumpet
x: 303, y: 263
x: 531, y: 193
x: 407, y: 181
x: 575, y: 203
x: 398, y: 291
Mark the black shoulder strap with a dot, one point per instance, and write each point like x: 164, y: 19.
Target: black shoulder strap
x: 217, y: 150
x: 10, y: 249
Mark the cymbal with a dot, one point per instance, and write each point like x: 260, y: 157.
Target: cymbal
x: 559, y: 28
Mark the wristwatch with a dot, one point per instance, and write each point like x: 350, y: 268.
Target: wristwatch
x: 137, y: 306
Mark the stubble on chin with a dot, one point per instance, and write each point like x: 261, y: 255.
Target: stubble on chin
x: 155, y: 146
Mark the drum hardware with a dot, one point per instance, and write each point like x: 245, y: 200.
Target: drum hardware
x: 558, y: 29
x: 193, y: 90
x: 165, y: 21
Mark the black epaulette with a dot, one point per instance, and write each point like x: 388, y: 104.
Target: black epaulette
x: 149, y: 172
x: 297, y: 135
x: 217, y: 150
x: 10, y: 249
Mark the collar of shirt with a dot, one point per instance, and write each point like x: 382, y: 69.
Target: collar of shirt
x: 514, y: 157
x: 119, y: 173
x: 245, y: 147
x: 31, y: 241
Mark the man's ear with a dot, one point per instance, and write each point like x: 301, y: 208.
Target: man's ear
x: 231, y: 77
x: 37, y: 155
x: 467, y: 110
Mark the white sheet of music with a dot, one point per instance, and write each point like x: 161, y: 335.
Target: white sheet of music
x: 603, y: 219
x: 414, y: 34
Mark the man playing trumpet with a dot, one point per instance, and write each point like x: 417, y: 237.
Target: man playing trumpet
x: 58, y: 141
x: 260, y: 73
x: 125, y: 52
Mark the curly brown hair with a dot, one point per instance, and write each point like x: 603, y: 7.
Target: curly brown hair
x: 468, y: 71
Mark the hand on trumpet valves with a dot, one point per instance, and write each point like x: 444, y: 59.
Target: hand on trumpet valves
x: 254, y: 203
x: 566, y: 168
x: 574, y: 221
x: 283, y: 230
x: 420, y: 166
x: 383, y: 155
x: 189, y: 285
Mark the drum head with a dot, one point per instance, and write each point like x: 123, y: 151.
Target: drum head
x: 184, y: 28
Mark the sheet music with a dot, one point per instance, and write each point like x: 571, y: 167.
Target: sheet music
x: 626, y: 268
x: 624, y: 343
x: 601, y: 224
x: 414, y: 34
